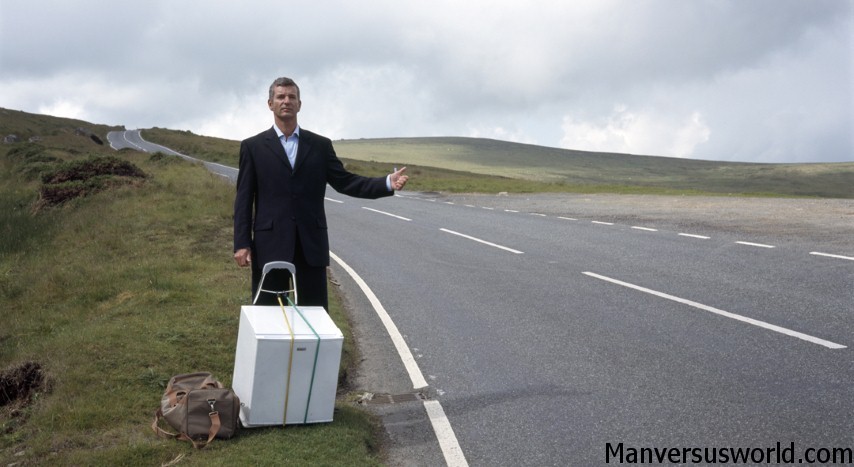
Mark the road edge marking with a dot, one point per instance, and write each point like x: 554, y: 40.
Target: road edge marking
x: 403, y: 351
x: 451, y: 449
x: 448, y: 443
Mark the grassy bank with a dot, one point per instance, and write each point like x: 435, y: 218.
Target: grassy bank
x: 113, y: 293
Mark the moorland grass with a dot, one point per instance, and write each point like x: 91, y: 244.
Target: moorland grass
x: 475, y: 165
x: 112, y: 294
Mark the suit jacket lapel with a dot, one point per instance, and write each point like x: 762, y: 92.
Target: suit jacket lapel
x: 275, y: 146
x: 302, y: 148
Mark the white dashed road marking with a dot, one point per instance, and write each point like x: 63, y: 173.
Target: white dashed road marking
x: 831, y: 256
x: 744, y: 319
x: 511, y: 250
x: 760, y: 245
x: 387, y: 214
x: 702, y: 237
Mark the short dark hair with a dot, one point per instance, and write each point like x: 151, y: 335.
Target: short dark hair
x: 283, y: 82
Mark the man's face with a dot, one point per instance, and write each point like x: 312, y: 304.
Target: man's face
x: 285, y: 103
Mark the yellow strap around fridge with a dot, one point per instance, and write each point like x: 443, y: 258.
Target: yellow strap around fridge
x: 290, y: 360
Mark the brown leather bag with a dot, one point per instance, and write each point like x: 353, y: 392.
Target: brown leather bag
x: 199, y: 408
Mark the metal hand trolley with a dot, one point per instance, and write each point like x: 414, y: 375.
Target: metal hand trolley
x: 277, y: 266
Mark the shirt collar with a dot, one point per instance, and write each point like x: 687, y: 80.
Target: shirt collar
x: 280, y: 134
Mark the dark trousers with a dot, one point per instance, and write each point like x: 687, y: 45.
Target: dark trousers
x: 311, y: 283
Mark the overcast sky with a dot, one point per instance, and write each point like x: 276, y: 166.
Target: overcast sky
x: 757, y: 80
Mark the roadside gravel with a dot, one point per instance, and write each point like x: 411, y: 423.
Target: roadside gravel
x: 826, y: 223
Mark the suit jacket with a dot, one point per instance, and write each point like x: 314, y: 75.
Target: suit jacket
x: 274, y: 202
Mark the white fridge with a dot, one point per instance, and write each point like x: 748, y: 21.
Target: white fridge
x: 267, y: 374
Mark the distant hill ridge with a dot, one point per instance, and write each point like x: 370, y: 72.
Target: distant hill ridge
x: 566, y: 167
x: 518, y: 160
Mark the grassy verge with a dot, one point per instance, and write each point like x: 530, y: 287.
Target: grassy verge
x: 114, y: 293
x: 207, y: 148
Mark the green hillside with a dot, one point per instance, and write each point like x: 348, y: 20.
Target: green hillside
x: 65, y: 133
x: 586, y: 170
x: 483, y: 165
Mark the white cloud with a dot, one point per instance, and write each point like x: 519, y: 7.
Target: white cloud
x: 63, y: 108
x: 238, y: 119
x: 357, y: 100
x: 500, y: 133
x: 637, y: 132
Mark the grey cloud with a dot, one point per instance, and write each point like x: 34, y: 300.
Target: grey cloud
x: 763, y: 76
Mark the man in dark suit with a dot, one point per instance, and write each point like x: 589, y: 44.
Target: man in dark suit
x: 279, y: 211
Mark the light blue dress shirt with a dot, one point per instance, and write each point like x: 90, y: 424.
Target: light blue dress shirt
x: 291, y: 144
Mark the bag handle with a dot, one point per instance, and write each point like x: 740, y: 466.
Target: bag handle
x: 159, y: 431
x: 215, y: 426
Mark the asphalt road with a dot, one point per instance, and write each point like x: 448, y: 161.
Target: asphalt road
x: 541, y: 358
x: 552, y: 340
x: 132, y: 139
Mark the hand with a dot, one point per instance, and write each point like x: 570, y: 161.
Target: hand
x: 243, y: 257
x: 398, y: 180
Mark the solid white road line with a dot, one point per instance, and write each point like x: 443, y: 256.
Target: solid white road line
x: 511, y: 250
x: 454, y: 456
x: 387, y: 214
x: 761, y: 245
x: 831, y: 256
x: 162, y: 149
x: 415, y: 375
x: 755, y: 322
x: 217, y: 164
x: 445, y: 434
x: 112, y: 146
